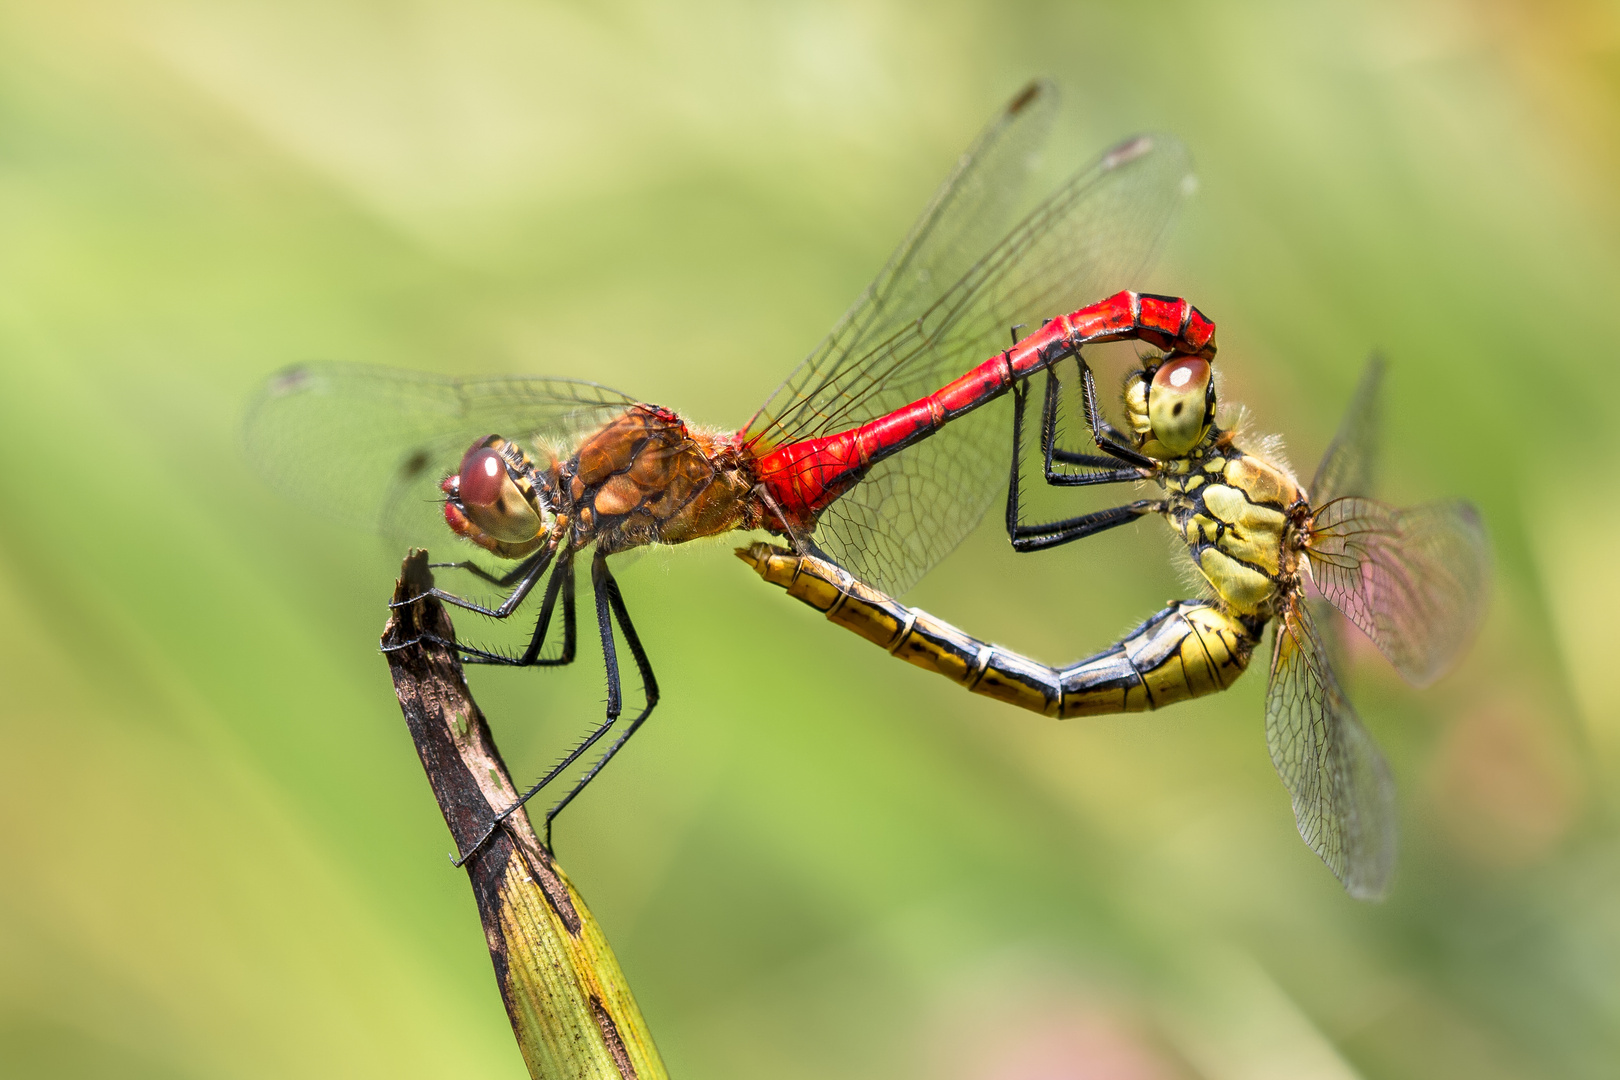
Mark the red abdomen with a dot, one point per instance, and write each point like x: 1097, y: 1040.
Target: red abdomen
x: 803, y: 478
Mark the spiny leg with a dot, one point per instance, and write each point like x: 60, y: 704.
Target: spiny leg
x: 1105, y: 470
x: 1049, y: 425
x: 500, y: 581
x: 1102, y: 433
x: 1027, y: 538
x: 532, y: 568
x: 527, y: 573
x: 649, y: 684
x: 608, y: 603
x: 562, y: 581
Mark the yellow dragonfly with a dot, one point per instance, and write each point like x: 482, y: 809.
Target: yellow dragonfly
x: 1415, y: 580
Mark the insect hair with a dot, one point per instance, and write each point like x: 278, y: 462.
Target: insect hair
x: 1267, y: 446
x: 1191, y: 577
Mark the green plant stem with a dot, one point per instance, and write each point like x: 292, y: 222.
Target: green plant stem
x: 571, y: 1010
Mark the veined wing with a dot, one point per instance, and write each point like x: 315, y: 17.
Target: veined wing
x: 968, y: 213
x: 1416, y: 580
x: 1344, y: 799
x: 369, y: 445
x: 1093, y: 236
x: 1350, y: 462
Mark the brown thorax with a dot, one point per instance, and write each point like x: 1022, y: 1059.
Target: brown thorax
x: 642, y: 478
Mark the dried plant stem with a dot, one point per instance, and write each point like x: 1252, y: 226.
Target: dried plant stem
x: 571, y: 1011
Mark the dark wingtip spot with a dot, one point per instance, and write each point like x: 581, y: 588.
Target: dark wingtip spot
x: 290, y: 381
x: 413, y: 465
x: 1126, y: 152
x: 1025, y: 96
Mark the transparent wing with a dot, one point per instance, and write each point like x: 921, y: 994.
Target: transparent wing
x: 1344, y: 799
x: 1415, y: 580
x: 1349, y: 465
x: 970, y: 212
x: 1095, y: 235
x: 368, y: 446
x: 914, y: 508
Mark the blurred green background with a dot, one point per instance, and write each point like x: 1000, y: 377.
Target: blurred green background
x: 220, y: 857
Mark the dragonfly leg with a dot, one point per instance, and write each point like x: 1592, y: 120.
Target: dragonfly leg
x: 608, y: 587
x: 1049, y: 422
x: 609, y: 605
x: 527, y: 574
x: 562, y: 577
x: 1027, y: 538
x: 799, y: 541
x: 1104, y: 470
x: 500, y: 581
x: 1100, y: 428
x: 562, y: 581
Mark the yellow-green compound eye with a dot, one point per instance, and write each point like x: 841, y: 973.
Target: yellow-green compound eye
x: 1177, y: 403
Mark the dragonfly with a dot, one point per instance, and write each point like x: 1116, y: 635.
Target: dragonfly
x: 872, y: 454
x: 1414, y: 580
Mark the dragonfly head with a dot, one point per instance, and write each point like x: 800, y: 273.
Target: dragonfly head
x: 1171, y: 406
x: 492, y: 500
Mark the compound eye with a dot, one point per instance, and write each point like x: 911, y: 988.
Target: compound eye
x: 1178, y: 403
x: 492, y: 501
x: 483, y: 472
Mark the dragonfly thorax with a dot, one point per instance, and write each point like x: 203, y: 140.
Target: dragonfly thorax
x: 1238, y: 514
x: 646, y: 477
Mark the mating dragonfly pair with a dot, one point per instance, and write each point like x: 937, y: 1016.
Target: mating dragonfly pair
x: 878, y: 455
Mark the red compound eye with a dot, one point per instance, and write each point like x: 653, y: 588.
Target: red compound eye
x: 1188, y: 375
x: 483, y: 472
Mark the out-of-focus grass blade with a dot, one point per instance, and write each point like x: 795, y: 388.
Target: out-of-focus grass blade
x: 570, y: 1008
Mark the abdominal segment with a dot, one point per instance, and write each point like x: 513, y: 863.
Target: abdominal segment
x: 1189, y: 649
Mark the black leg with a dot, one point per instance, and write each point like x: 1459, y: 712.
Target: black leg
x: 609, y: 605
x: 527, y: 574
x: 1103, y: 470
x: 601, y: 582
x: 649, y: 684
x: 798, y: 542
x: 1099, y: 426
x: 498, y: 580
x: 1050, y: 423
x: 1027, y: 538
x: 1022, y: 536
x: 562, y: 581
x: 600, y: 579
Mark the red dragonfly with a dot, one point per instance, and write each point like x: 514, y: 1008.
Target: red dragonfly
x: 573, y: 464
